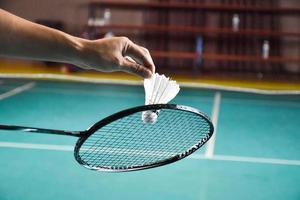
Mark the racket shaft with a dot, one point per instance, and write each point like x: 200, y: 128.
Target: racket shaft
x: 40, y: 130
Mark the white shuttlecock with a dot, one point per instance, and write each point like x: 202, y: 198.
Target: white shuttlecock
x: 159, y: 89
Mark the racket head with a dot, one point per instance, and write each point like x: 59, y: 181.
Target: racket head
x: 123, y: 142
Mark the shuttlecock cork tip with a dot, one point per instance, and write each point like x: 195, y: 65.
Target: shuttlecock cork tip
x: 149, y: 117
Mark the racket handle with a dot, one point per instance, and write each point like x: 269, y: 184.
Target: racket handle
x: 40, y: 130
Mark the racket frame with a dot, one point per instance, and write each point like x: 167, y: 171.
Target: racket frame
x: 130, y: 111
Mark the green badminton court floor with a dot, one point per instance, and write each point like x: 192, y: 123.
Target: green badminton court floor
x: 255, y: 153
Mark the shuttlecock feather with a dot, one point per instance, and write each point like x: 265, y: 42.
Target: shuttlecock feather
x: 159, y: 89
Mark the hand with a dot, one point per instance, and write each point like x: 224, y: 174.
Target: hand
x: 111, y: 54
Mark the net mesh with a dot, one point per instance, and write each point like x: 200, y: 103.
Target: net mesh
x: 129, y: 142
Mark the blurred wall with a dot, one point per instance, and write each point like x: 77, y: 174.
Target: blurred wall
x: 290, y: 46
x: 73, y: 13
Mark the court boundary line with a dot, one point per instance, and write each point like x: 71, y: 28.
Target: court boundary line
x: 214, y: 118
x: 249, y: 159
x: 17, y: 90
x: 135, y: 82
x: 232, y: 158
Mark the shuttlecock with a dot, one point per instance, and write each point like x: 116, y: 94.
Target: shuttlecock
x: 159, y: 89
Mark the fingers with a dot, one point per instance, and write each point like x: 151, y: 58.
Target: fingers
x: 141, y: 55
x: 135, y: 68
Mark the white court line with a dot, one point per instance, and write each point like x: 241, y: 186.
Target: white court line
x: 193, y: 156
x: 72, y: 78
x: 214, y: 118
x: 247, y: 159
x: 133, y: 82
x: 17, y: 90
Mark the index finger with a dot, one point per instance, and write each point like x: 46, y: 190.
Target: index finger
x: 141, y: 55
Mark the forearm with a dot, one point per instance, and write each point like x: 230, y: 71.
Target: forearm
x: 24, y: 39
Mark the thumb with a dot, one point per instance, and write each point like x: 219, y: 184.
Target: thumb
x: 135, y: 68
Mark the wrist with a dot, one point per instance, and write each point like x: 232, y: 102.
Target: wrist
x: 75, y: 49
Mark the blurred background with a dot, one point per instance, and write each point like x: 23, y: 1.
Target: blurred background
x: 221, y: 38
x: 238, y: 61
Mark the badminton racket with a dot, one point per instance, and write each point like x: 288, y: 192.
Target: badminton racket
x: 123, y: 142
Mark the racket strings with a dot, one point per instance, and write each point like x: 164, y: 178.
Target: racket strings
x: 123, y: 149
x: 129, y: 142
x: 131, y: 152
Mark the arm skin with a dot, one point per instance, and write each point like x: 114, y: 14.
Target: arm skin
x: 24, y: 39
